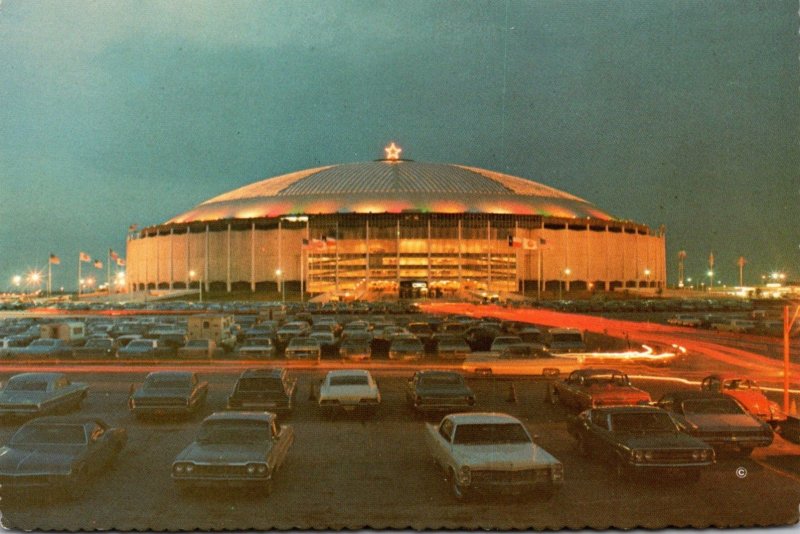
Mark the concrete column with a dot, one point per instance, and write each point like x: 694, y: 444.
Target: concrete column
x: 228, y: 260
x: 397, y: 250
x: 459, y: 256
x: 566, y: 259
x: 188, y: 256
x: 171, y: 255
x: 366, y: 275
x: 252, y: 257
x: 429, y: 254
x: 608, y: 276
x: 206, y: 273
x: 489, y: 255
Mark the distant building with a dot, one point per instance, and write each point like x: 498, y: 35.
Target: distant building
x: 396, y: 227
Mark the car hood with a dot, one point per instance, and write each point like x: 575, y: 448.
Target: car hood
x: 42, y: 459
x: 224, y: 453
x: 22, y: 397
x: 503, y: 456
x: 659, y: 440
x: 722, y: 422
x: 161, y: 393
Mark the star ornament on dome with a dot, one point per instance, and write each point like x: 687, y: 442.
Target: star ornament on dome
x: 393, y: 152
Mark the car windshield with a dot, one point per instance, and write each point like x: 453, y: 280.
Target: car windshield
x: 488, y: 433
x: 166, y: 382
x: 642, y: 422
x: 349, y: 380
x: 234, y: 432
x: 260, y: 384
x: 407, y: 344
x: 197, y: 344
x: 605, y: 379
x: 99, y: 343
x: 568, y: 338
x: 43, y: 343
x: 136, y: 344
x: 50, y: 434
x: 258, y: 342
x: 303, y: 342
x: 441, y: 379
x: 26, y: 385
x: 711, y: 406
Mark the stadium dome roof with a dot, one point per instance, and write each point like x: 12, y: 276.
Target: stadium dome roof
x: 392, y: 186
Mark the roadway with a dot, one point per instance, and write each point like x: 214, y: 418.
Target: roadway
x: 353, y: 472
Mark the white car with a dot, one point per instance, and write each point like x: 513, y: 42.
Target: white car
x: 491, y: 452
x: 349, y: 390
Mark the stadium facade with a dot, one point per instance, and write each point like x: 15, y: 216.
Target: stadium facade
x: 396, y: 227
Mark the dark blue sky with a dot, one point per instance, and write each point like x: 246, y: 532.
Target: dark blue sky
x: 676, y: 113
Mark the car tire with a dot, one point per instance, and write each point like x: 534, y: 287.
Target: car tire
x: 460, y: 493
x: 583, y: 447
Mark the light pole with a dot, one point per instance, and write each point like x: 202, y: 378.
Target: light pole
x: 192, y: 274
x: 710, y: 280
x: 279, y: 278
x: 567, y: 272
x: 16, y: 280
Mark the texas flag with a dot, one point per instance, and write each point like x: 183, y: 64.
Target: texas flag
x: 113, y: 255
x: 515, y: 242
x: 55, y: 260
x: 120, y: 262
x: 98, y: 264
x: 84, y: 257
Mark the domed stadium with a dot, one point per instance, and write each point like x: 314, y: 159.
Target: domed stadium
x: 396, y: 228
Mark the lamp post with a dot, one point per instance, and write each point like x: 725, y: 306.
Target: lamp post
x: 647, y: 277
x: 16, y: 280
x: 192, y: 274
x: 710, y: 279
x: 279, y: 284
x: 567, y: 272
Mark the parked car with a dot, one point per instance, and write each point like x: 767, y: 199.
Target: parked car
x: 452, y: 347
x: 439, y: 391
x: 718, y: 420
x: 303, y: 348
x: 139, y: 348
x: 256, y: 347
x: 204, y: 349
x: 234, y: 449
x: 96, y: 348
x: 519, y: 359
x: 356, y: 347
x: 264, y: 389
x: 291, y: 330
x: 34, y: 394
x: 685, y: 320
x: 749, y: 395
x: 406, y: 348
x: 639, y: 440
x: 565, y: 340
x: 501, y: 342
x: 481, y: 452
x: 592, y: 388
x: 58, y: 453
x: 46, y: 348
x: 327, y: 342
x: 166, y: 393
x: 349, y: 390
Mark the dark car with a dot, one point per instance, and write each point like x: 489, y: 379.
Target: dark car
x: 406, y: 348
x: 639, y: 440
x: 234, y: 449
x: 264, y: 389
x: 439, y: 391
x: 168, y: 393
x: 58, y: 452
x: 47, y: 348
x: 718, y: 420
x: 96, y: 348
x: 34, y: 394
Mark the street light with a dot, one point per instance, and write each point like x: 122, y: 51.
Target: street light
x: 711, y: 279
x: 647, y: 277
x: 279, y: 284
x: 192, y: 274
x: 567, y: 272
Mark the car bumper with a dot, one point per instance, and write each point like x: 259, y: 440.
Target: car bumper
x: 514, y: 482
x: 428, y: 405
x: 734, y: 442
x: 161, y: 410
x: 209, y: 481
x: 273, y: 407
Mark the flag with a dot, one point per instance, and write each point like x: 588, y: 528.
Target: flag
x: 55, y: 260
x: 113, y: 255
x: 530, y: 244
x: 84, y: 257
x: 330, y: 240
x: 98, y: 264
x: 120, y: 262
x: 317, y: 243
x: 305, y: 244
x: 133, y: 227
x: 514, y: 242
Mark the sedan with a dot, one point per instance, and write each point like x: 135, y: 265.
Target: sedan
x: 303, y: 348
x: 234, y: 449
x: 168, y: 393
x: 96, y: 347
x: 49, y: 348
x: 718, y: 420
x: 256, y: 347
x: 439, y: 391
x: 52, y: 453
x: 349, y: 390
x: 639, y: 440
x: 406, y: 348
x: 33, y: 394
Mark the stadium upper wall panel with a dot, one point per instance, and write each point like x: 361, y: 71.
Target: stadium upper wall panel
x: 392, y: 187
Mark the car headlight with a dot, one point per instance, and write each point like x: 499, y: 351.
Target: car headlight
x: 189, y: 468
x: 464, y: 476
x: 181, y: 468
x: 251, y: 469
x: 637, y: 456
x: 648, y: 455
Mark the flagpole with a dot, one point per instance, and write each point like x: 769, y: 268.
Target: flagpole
x: 79, y: 275
x: 108, y: 273
x: 49, y: 275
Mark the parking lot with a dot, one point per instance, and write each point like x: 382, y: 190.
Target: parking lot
x: 356, y: 472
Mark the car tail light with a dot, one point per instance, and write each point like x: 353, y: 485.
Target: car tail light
x: 557, y: 472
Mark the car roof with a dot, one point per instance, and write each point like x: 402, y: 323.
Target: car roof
x: 73, y: 419
x: 265, y: 417
x: 171, y: 374
x: 348, y: 372
x: 260, y: 372
x: 431, y: 372
x: 628, y: 409
x: 482, y: 418
x: 37, y: 376
x: 597, y: 371
x: 724, y: 377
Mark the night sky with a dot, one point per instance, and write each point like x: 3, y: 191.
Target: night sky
x: 676, y: 113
